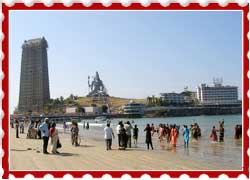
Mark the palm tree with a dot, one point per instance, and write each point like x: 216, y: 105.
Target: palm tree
x: 149, y: 100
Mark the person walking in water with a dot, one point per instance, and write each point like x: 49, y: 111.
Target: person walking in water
x: 186, y: 136
x: 108, y: 133
x: 152, y: 129
x: 174, y: 136
x: 221, y: 130
x: 44, y: 128
x: 148, y: 137
x: 213, y: 135
x: 54, y: 138
x: 123, y: 143
x: 87, y: 126
x: 135, y: 134
x: 160, y: 132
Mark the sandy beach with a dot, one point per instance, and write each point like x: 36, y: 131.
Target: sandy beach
x: 26, y: 154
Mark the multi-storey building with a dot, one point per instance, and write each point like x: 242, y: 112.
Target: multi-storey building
x: 173, y: 98
x: 217, y: 94
x: 34, y: 81
x: 134, y: 109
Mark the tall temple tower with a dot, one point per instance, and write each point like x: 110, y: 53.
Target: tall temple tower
x: 34, y: 81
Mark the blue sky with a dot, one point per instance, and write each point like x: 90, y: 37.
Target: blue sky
x: 137, y: 54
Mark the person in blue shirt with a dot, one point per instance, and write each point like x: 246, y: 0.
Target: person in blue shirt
x: 44, y: 128
x: 186, y: 135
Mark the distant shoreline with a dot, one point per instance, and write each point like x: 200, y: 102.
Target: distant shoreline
x: 152, y: 112
x: 192, y: 111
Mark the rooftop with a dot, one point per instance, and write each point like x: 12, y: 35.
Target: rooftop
x: 36, y: 41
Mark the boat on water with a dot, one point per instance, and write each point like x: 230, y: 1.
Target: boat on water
x: 98, y: 121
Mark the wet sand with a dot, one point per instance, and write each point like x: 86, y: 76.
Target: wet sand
x: 26, y: 154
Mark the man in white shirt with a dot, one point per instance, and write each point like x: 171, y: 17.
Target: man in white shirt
x: 128, y: 127
x: 44, y: 128
x: 118, y: 128
x: 108, y: 133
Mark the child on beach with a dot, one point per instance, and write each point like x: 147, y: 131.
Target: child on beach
x: 135, y: 134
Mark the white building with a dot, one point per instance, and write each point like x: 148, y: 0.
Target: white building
x: 71, y: 110
x: 133, y: 108
x: 92, y: 110
x: 173, y: 98
x: 217, y: 94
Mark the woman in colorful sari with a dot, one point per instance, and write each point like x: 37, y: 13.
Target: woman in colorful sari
x: 74, y: 133
x: 174, y: 136
x: 213, y: 135
x: 160, y: 133
x: 54, y: 138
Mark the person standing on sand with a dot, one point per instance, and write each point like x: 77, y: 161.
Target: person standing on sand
x: 123, y: 135
x: 22, y: 128
x: 17, y: 128
x: 87, y: 126
x: 135, y: 134
x: 54, y: 138
x: 186, y: 136
x: 38, y: 130
x: 64, y: 126
x: 44, y: 128
x: 174, y: 136
x: 128, y: 127
x: 118, y: 128
x: 108, y: 133
x: 148, y: 137
x: 74, y: 133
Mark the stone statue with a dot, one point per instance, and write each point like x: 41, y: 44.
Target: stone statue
x: 97, y: 87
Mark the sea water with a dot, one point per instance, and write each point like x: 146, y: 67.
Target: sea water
x: 225, y: 155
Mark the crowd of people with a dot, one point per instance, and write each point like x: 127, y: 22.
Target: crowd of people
x: 125, y: 132
x: 166, y: 132
x: 41, y: 130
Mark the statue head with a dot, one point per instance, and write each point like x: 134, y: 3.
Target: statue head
x: 97, y: 75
